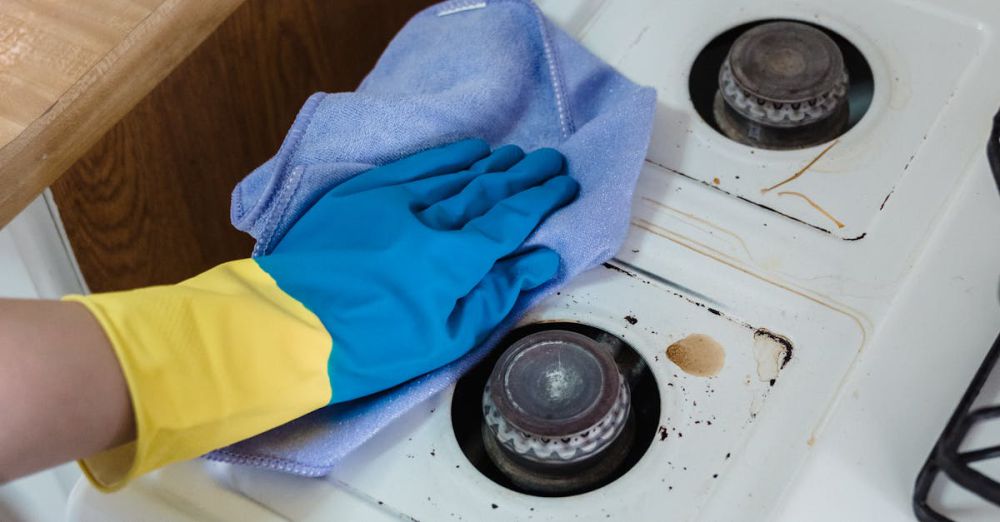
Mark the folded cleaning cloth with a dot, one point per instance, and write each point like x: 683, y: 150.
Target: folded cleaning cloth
x: 493, y: 69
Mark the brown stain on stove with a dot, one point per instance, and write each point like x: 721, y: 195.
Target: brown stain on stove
x: 698, y: 355
x: 806, y: 198
x: 801, y: 171
x: 716, y: 181
x: 693, y: 245
x: 859, y: 319
x: 666, y: 169
x: 736, y: 237
x: 814, y: 205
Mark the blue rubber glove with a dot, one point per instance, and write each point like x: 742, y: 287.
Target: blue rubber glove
x: 410, y: 265
x: 393, y: 273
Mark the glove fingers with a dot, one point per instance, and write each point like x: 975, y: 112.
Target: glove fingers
x: 485, y: 191
x: 502, y: 230
x: 429, y: 191
x: 502, y: 159
x: 479, y: 312
x: 446, y: 159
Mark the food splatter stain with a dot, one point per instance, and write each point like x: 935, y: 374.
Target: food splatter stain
x: 772, y: 352
x: 631, y: 319
x: 698, y: 354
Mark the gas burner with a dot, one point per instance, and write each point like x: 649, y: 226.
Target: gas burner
x: 783, y: 85
x: 554, y: 412
x: 565, y: 409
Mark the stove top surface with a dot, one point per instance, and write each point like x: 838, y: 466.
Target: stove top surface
x: 785, y: 262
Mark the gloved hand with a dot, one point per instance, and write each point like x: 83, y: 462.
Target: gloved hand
x: 393, y: 273
x: 410, y: 265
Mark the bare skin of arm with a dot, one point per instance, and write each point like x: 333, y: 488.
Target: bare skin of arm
x: 62, y: 392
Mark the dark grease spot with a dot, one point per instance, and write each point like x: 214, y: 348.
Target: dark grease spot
x: 780, y: 339
x: 609, y: 266
x: 631, y: 319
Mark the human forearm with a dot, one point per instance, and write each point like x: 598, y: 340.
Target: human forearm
x: 62, y: 392
x: 130, y: 381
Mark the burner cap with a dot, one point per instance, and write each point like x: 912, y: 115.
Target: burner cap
x: 782, y: 85
x: 555, y: 383
x: 786, y: 62
x: 557, y: 413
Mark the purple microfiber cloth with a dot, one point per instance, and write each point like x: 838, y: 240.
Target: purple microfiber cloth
x: 493, y: 69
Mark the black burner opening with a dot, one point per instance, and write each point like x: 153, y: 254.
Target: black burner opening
x: 467, y: 407
x: 703, y: 82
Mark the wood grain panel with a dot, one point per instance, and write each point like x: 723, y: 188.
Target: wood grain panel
x: 73, y: 68
x: 150, y: 202
x: 46, y: 46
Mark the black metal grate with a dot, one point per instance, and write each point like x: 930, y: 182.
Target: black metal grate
x: 946, y: 456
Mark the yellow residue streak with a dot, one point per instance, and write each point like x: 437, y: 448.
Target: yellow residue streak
x: 815, y: 206
x: 802, y: 170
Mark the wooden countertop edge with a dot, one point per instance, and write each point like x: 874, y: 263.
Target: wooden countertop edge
x: 103, y: 95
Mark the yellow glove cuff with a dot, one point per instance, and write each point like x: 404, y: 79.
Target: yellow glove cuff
x: 211, y: 361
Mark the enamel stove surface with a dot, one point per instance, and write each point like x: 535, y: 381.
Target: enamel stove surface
x: 710, y: 253
x: 717, y: 435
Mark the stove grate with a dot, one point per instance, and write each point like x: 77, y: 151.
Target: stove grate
x: 946, y: 456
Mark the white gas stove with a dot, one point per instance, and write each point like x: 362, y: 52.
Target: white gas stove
x: 797, y: 264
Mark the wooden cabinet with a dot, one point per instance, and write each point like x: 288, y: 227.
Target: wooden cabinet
x: 149, y: 202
